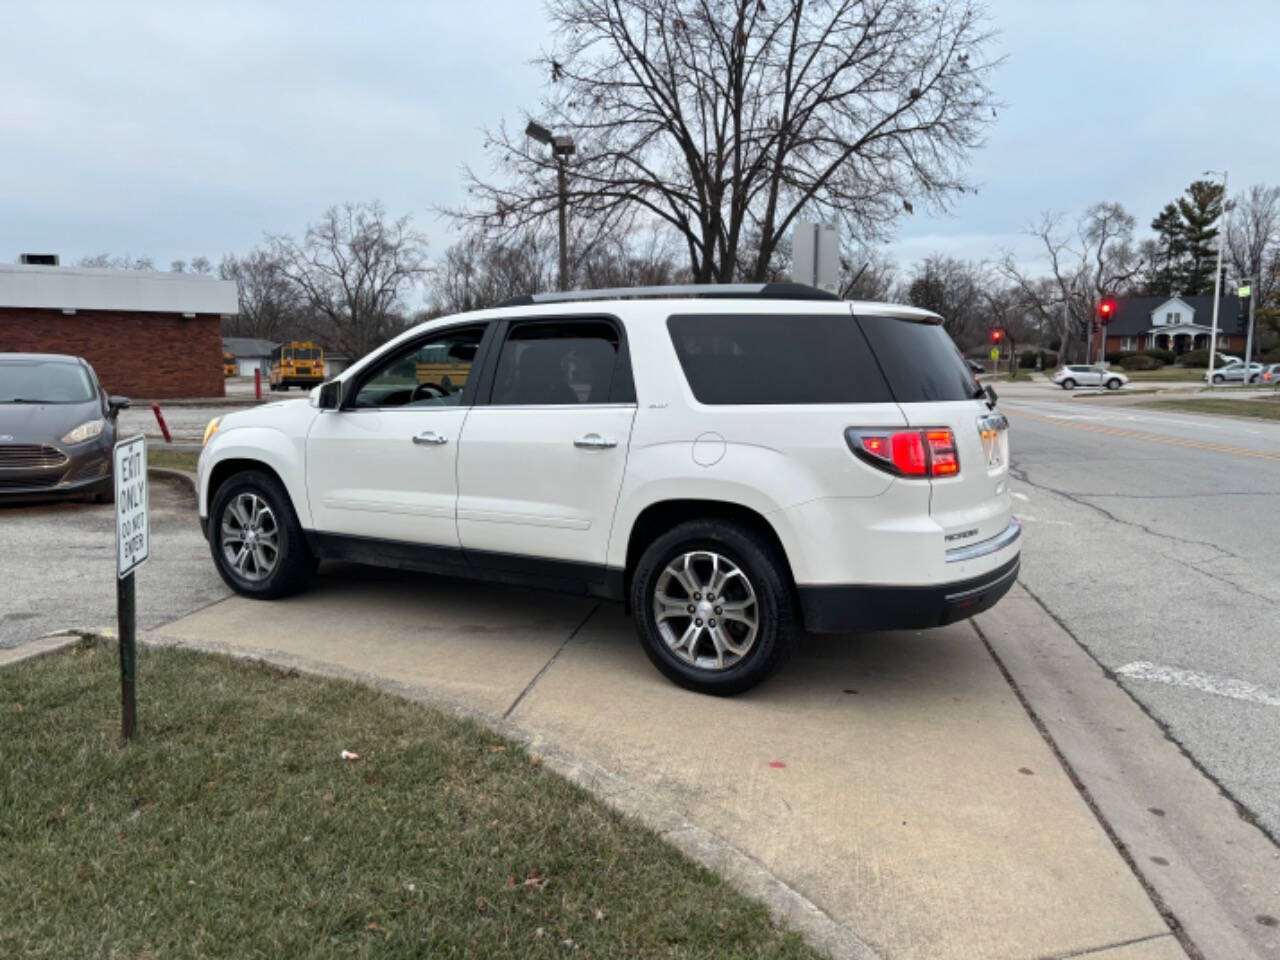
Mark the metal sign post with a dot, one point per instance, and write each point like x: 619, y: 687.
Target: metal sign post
x: 133, y: 547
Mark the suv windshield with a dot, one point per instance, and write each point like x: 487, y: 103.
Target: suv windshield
x: 920, y: 361
x: 44, y: 381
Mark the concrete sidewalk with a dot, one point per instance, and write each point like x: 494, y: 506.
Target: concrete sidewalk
x: 886, y: 793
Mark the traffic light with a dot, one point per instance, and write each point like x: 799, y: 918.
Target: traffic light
x: 997, y: 335
x: 1106, y: 310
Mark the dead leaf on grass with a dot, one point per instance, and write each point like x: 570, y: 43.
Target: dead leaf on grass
x: 482, y: 904
x: 58, y: 816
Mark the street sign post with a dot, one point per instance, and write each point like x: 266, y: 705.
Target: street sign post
x: 133, y: 547
x: 815, y: 255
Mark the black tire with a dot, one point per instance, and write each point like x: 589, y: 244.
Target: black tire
x: 1113, y: 384
x: 1068, y: 384
x: 1219, y: 378
x: 294, y: 563
x: 775, y: 614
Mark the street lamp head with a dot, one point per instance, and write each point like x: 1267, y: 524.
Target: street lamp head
x: 562, y: 146
x: 537, y: 131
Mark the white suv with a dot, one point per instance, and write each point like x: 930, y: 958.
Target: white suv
x: 733, y: 462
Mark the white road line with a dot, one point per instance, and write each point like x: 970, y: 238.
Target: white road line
x: 1020, y: 496
x: 1207, y: 682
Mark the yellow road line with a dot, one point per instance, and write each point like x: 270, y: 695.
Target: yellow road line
x: 1151, y: 437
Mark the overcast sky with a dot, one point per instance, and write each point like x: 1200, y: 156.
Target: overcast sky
x: 175, y: 129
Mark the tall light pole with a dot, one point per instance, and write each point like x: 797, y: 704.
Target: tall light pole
x: 1217, y: 278
x: 562, y: 148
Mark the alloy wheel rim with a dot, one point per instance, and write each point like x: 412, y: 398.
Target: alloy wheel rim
x: 250, y: 537
x: 706, y: 610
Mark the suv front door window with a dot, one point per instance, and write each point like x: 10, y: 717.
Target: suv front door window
x: 386, y: 464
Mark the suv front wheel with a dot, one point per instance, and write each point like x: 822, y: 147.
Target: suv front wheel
x: 256, y: 540
x: 713, y: 611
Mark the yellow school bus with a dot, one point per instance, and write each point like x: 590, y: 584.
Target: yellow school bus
x: 229, y: 368
x: 296, y: 363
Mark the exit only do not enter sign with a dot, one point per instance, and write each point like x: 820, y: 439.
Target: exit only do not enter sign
x: 133, y: 524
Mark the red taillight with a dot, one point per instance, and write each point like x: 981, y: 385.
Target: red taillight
x: 908, y: 453
x: 942, y: 453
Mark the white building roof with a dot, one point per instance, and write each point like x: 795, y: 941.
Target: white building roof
x: 86, y: 288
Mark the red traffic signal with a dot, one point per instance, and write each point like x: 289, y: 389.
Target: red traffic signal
x: 997, y: 336
x: 1106, y: 310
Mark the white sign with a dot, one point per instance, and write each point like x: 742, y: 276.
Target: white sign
x: 815, y: 255
x: 133, y: 521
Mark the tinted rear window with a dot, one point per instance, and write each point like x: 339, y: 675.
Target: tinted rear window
x: 776, y: 359
x: 920, y: 361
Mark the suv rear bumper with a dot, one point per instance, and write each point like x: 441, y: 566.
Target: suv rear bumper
x: 841, y: 608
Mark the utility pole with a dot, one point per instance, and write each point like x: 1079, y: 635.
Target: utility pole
x: 562, y: 148
x: 563, y: 178
x: 1217, y: 279
x: 1247, y: 291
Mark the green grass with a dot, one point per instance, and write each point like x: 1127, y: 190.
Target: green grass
x: 1264, y: 409
x: 174, y: 459
x: 1164, y: 373
x: 232, y: 828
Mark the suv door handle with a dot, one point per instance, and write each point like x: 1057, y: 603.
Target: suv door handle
x: 593, y: 441
x: 430, y: 438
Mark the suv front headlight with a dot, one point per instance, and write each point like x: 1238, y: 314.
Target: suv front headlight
x: 210, y: 430
x: 86, y: 431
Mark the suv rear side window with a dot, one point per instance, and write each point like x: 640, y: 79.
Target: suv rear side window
x: 776, y: 359
x: 920, y: 361
x: 560, y: 363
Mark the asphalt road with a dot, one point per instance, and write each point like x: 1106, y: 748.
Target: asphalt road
x: 1154, y: 538
x: 57, y: 566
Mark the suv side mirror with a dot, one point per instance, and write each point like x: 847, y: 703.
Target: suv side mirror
x: 116, y: 404
x: 330, y: 397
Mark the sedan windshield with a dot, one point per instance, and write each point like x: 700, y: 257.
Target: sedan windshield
x: 44, y: 381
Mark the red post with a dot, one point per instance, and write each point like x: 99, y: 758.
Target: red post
x: 164, y: 427
x: 257, y: 382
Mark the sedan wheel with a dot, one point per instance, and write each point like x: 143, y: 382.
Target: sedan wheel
x: 1219, y: 378
x: 1113, y: 384
x: 1068, y: 384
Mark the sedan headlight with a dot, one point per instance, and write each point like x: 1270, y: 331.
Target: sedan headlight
x: 210, y: 430
x: 86, y: 431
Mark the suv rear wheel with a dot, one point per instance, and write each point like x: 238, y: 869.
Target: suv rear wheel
x: 255, y: 537
x: 1068, y: 384
x: 713, y: 612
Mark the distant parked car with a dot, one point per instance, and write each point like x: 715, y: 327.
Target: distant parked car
x: 1270, y: 375
x: 1083, y: 375
x: 57, y: 428
x: 1235, y: 372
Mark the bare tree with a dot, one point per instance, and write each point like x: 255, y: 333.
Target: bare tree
x: 954, y: 290
x: 352, y: 270
x: 1096, y: 259
x: 105, y: 261
x: 1253, y: 242
x: 270, y: 305
x: 726, y: 120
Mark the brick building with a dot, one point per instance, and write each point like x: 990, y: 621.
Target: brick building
x: 1175, y: 323
x: 147, y: 334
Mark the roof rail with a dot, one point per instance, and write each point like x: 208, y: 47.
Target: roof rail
x: 728, y: 291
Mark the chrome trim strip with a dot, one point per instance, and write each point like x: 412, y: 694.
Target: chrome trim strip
x: 971, y: 551
x: 1007, y: 575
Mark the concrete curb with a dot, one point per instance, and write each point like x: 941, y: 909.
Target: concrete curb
x: 40, y: 647
x: 182, y: 476
x: 746, y: 874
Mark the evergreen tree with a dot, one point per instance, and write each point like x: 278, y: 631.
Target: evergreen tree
x: 1200, y: 207
x: 1165, y: 267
